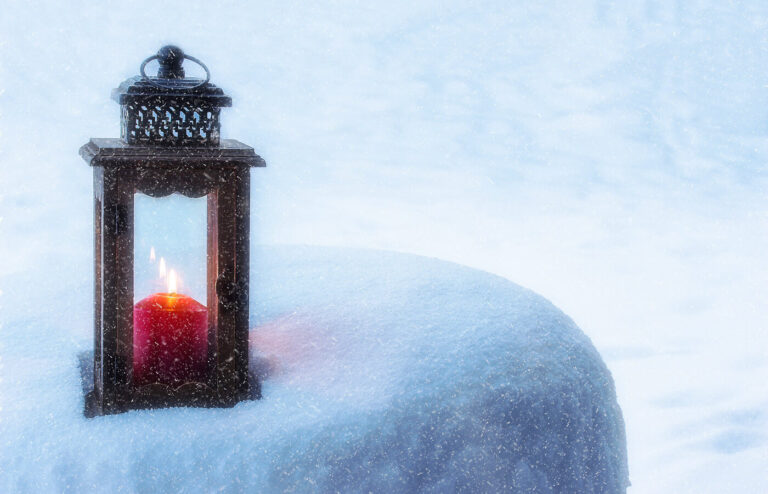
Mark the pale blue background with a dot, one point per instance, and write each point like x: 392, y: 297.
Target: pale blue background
x: 609, y: 155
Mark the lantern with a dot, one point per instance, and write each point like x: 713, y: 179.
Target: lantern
x: 186, y: 344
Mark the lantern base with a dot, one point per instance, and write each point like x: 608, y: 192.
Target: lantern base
x: 156, y: 396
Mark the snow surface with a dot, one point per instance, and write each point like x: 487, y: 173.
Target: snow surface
x: 383, y: 372
x: 611, y: 156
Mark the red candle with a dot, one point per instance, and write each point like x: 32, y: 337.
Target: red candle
x: 170, y: 340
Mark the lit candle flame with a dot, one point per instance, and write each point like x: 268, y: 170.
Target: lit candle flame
x: 162, y: 267
x: 172, y: 281
x: 151, y: 254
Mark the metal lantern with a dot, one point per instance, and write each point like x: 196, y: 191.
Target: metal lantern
x: 169, y: 349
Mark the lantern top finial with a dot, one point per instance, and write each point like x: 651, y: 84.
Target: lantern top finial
x: 170, y: 75
x: 170, y: 58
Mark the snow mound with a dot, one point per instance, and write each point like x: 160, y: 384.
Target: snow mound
x: 381, y: 372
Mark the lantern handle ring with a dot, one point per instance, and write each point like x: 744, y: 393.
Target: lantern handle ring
x: 161, y: 86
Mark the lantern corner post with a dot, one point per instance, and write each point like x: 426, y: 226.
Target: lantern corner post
x: 113, y: 289
x: 242, y: 280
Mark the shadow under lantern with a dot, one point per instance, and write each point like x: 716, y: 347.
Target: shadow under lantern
x: 170, y: 144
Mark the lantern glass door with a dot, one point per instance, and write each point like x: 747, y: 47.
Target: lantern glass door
x: 172, y: 326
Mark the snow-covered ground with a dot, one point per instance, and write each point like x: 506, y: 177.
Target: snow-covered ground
x: 381, y: 372
x: 610, y: 156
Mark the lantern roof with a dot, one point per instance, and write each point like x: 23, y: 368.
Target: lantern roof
x: 139, y: 87
x: 170, y: 81
x: 170, y: 109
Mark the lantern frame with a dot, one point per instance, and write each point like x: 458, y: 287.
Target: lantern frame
x: 219, y: 170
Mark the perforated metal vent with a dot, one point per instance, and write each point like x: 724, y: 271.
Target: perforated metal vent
x: 170, y: 121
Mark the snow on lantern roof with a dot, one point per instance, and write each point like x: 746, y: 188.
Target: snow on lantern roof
x: 170, y: 109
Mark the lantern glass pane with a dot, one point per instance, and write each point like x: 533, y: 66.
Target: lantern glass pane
x: 170, y: 316
x: 173, y: 229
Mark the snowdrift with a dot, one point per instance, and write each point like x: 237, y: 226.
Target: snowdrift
x: 381, y: 372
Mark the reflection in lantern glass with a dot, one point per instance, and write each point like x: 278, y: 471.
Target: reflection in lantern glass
x: 170, y: 234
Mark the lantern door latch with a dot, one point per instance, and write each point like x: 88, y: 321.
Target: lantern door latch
x: 231, y: 294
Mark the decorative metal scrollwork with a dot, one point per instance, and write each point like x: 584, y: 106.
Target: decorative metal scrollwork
x: 162, y: 120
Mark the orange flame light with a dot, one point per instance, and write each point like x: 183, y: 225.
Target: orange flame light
x: 172, y: 288
x: 171, y: 277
